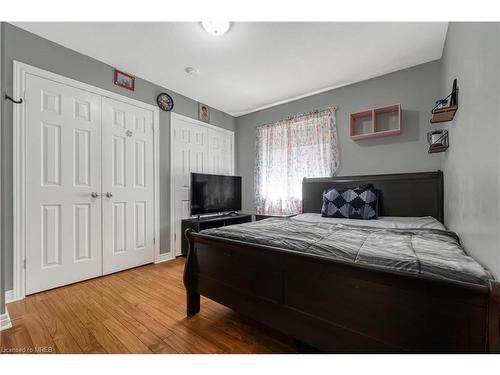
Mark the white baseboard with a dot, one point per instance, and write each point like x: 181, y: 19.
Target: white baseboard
x: 5, y: 322
x: 165, y: 257
x: 9, y: 297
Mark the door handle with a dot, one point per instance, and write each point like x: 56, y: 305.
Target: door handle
x: 109, y: 194
x: 94, y: 194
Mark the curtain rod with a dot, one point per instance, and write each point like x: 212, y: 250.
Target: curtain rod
x: 303, y: 114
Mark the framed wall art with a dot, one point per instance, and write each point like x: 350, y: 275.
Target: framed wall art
x: 124, y: 80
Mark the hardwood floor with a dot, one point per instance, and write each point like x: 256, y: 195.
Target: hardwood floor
x: 141, y: 310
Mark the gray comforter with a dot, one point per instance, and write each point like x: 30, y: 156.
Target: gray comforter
x: 432, y: 252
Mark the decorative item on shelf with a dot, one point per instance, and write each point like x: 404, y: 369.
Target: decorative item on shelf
x: 376, y: 122
x: 438, y: 141
x: 165, y: 101
x: 203, y: 112
x: 442, y: 112
x: 124, y: 80
x: 441, y: 103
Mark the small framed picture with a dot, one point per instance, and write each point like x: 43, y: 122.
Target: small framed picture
x: 203, y: 112
x: 124, y: 80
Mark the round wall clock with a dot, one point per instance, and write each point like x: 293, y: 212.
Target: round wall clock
x: 165, y: 101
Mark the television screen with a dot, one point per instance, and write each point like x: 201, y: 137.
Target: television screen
x: 214, y: 193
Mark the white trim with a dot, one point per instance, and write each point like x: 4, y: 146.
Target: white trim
x: 171, y: 183
x: 9, y: 297
x: 5, y: 322
x: 164, y: 257
x: 156, y: 172
x: 19, y: 194
x: 174, y: 116
x: 18, y: 147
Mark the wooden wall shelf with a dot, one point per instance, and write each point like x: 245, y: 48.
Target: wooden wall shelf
x: 443, y: 114
x: 376, y: 122
x: 433, y: 149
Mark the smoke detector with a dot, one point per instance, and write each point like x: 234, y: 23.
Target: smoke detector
x: 192, y: 71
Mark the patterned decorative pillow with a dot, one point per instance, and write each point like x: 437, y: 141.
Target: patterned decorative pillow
x: 356, y: 203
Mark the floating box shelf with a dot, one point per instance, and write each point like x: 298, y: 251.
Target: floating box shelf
x: 376, y: 122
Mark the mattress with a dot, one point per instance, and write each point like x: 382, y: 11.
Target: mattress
x: 395, y: 222
x: 424, y: 250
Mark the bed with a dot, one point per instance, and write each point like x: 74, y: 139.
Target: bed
x: 401, y: 283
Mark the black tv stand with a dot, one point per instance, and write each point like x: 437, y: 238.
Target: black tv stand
x: 200, y: 223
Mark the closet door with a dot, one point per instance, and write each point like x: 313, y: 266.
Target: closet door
x: 220, y: 152
x: 63, y: 182
x: 189, y: 154
x: 127, y: 174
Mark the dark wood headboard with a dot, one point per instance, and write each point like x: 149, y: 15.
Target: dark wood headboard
x: 404, y: 194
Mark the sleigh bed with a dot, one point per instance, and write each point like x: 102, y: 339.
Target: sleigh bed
x: 353, y: 288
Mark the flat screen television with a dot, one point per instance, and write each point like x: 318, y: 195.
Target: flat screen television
x: 211, y: 193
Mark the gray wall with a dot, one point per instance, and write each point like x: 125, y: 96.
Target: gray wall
x: 471, y: 165
x: 2, y: 271
x: 23, y: 46
x: 415, y: 88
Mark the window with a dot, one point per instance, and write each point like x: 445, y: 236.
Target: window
x: 289, y: 150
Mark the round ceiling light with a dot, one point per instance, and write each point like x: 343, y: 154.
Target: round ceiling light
x: 216, y: 28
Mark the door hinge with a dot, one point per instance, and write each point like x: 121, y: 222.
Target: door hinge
x: 175, y: 236
x: 154, y: 240
x: 24, y: 264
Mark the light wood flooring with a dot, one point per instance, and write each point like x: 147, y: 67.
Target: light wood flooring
x: 141, y: 310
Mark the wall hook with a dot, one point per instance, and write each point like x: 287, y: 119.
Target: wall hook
x: 12, y: 100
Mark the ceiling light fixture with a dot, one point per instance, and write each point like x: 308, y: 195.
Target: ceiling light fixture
x: 216, y: 28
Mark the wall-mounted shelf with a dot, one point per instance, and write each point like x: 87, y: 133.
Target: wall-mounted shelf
x: 443, y: 114
x: 438, y: 141
x: 433, y: 149
x: 376, y: 122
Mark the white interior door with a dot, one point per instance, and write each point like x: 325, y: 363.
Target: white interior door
x: 190, y: 154
x: 220, y: 152
x: 128, y: 194
x: 200, y: 149
x: 63, y: 168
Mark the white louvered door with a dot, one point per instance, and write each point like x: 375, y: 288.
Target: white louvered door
x: 63, y: 168
x: 127, y: 167
x: 89, y: 185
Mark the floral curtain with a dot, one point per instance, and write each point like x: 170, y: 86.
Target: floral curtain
x: 304, y: 145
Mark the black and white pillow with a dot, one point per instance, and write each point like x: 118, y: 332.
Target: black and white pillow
x: 355, y: 203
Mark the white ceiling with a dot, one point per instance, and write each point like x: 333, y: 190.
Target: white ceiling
x: 254, y: 65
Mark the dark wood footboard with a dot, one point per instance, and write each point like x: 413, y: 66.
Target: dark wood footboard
x: 336, y: 306
x: 494, y: 317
